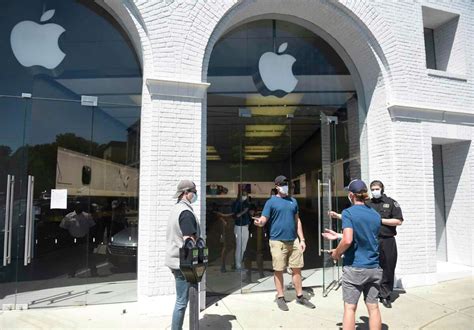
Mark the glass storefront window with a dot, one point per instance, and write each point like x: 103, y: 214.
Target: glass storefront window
x: 55, y: 144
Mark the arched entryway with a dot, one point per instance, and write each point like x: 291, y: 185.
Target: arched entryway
x: 281, y: 101
x: 70, y: 102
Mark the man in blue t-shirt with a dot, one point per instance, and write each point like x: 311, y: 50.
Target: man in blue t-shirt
x: 281, y: 213
x: 359, y: 243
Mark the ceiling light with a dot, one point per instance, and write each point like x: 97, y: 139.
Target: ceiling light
x: 211, y: 150
x: 258, y: 149
x: 264, y: 130
x: 213, y: 157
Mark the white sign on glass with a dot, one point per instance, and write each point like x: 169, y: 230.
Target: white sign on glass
x: 58, y: 198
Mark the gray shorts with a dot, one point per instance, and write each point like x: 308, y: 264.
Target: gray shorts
x: 358, y: 280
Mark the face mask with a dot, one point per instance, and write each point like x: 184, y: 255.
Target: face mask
x: 195, y: 198
x: 376, y: 193
x: 349, y: 198
x: 244, y: 198
x: 283, y: 190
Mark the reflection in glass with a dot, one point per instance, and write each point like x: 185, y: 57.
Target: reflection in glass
x: 92, y: 152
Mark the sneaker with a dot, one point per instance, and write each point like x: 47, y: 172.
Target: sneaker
x: 305, y: 302
x: 282, y: 304
x: 386, y: 302
x: 223, y: 270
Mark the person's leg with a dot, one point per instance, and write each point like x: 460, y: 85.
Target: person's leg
x: 182, y: 295
x: 383, y: 264
x: 278, y: 277
x: 371, y: 294
x: 296, y: 278
x: 238, y: 246
x: 245, y: 239
x: 348, y: 322
x: 375, y: 320
x: 391, y: 262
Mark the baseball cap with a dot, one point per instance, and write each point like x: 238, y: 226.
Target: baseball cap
x: 281, y: 180
x: 184, y: 185
x: 355, y: 186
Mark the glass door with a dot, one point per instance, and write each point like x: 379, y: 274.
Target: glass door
x: 265, y: 153
x: 78, y: 239
x: 13, y: 194
x: 56, y: 232
x: 327, y: 201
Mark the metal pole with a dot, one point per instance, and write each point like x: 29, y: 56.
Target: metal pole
x: 193, y: 307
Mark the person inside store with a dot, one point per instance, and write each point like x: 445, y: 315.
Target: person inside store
x: 227, y: 238
x: 78, y: 224
x: 240, y: 209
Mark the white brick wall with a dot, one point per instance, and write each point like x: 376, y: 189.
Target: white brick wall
x: 382, y: 44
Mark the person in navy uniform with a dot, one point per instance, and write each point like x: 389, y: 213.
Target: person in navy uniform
x: 392, y: 217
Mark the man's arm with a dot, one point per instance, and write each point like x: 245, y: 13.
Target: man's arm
x: 299, y: 231
x: 188, y: 225
x: 344, y: 244
x: 396, y: 215
x: 392, y: 222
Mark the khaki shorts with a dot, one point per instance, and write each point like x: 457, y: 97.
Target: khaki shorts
x: 286, y: 253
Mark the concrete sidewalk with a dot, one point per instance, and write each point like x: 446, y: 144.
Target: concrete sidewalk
x: 447, y: 305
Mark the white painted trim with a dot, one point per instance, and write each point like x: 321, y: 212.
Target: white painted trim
x: 445, y: 74
x: 415, y: 112
x: 176, y: 88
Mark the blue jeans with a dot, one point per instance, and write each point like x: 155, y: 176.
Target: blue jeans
x: 182, y: 296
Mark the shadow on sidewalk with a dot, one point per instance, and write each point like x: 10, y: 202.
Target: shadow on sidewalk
x: 363, y: 324
x: 214, y: 321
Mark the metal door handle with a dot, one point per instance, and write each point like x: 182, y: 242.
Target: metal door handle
x: 28, y: 220
x: 319, y: 217
x: 331, y: 246
x: 7, y: 235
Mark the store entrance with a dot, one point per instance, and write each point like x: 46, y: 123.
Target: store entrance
x: 247, y: 153
x: 280, y: 102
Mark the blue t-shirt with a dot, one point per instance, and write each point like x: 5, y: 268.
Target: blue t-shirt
x: 364, y: 250
x: 280, y: 212
x: 237, y: 207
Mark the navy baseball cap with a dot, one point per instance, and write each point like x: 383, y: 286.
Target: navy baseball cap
x: 281, y: 180
x: 356, y: 186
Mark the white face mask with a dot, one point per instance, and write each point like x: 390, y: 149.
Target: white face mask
x: 283, y: 190
x: 244, y: 198
x: 349, y: 198
x: 195, y: 198
x: 376, y: 193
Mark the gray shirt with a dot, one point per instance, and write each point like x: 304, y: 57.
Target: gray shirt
x: 77, y: 225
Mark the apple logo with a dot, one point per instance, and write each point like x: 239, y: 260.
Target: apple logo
x: 275, y: 75
x: 37, y: 44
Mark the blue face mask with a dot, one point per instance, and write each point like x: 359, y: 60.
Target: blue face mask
x: 195, y: 198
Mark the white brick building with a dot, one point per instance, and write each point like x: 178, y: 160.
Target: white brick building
x: 415, y: 115
x: 407, y: 109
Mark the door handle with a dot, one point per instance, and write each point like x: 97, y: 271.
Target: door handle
x: 7, y: 235
x: 330, y: 209
x: 29, y: 220
x: 319, y: 217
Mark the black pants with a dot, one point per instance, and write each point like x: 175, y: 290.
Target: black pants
x: 388, y: 261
